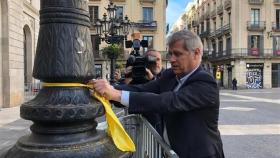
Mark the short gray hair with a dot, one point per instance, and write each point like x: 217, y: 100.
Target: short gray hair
x: 191, y: 40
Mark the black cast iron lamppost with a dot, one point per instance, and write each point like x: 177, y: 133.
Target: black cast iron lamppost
x: 64, y: 124
x: 112, y: 30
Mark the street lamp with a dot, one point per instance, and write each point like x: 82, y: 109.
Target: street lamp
x: 112, y: 30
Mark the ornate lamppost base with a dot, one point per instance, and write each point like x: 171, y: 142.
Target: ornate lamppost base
x: 93, y: 145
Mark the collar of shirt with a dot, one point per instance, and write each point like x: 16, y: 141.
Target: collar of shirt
x: 184, y: 78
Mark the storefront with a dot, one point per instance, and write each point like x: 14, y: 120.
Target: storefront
x: 254, y: 75
x: 275, y: 75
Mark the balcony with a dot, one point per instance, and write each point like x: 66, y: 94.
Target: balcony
x: 146, y: 25
x: 276, y: 2
x: 212, y: 34
x: 213, y: 14
x: 147, y: 1
x: 227, y: 4
x: 118, y: 0
x: 220, y: 9
x: 255, y: 25
x: 204, y: 34
x: 255, y: 2
x: 276, y: 27
x: 241, y: 53
x: 226, y: 29
x: 219, y: 32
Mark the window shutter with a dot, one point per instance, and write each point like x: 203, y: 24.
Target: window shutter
x: 249, y: 45
x: 261, y: 45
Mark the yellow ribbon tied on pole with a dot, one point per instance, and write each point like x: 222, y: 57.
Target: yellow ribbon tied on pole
x: 115, y: 129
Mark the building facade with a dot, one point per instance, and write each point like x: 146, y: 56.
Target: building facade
x: 148, y: 19
x: 241, y: 40
x: 18, y: 31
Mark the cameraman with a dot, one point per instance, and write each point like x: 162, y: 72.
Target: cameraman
x: 153, y: 71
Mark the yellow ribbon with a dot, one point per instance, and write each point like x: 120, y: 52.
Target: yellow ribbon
x: 115, y: 128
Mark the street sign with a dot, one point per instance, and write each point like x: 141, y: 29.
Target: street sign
x: 218, y: 75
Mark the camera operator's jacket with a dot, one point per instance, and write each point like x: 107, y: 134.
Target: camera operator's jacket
x: 190, y: 114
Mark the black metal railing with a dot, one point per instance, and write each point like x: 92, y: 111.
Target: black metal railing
x: 204, y: 34
x: 147, y: 1
x: 219, y: 32
x: 255, y: 1
x: 276, y: 1
x: 226, y: 28
x: 243, y: 52
x: 276, y: 26
x: 144, y: 24
x: 255, y: 25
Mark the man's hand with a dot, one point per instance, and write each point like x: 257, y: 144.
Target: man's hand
x: 117, y: 75
x: 105, y: 89
x: 149, y: 74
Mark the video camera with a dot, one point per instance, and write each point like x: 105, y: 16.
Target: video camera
x: 139, y: 63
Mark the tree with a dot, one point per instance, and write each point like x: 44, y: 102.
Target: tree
x: 112, y: 51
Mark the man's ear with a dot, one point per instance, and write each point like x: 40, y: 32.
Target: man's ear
x: 197, y: 51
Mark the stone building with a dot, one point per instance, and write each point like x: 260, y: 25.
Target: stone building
x: 149, y: 20
x: 18, y: 31
x: 241, y: 40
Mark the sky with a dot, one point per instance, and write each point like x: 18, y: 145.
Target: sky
x: 174, y: 9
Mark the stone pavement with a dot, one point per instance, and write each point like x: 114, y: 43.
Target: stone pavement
x: 11, y: 127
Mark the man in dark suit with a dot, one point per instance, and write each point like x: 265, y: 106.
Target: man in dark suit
x: 186, y: 96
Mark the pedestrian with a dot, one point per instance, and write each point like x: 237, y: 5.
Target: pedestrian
x: 234, y: 84
x: 186, y: 95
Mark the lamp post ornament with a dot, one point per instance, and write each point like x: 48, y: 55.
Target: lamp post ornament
x: 112, y: 30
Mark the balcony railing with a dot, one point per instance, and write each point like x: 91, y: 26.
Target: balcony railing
x: 146, y: 25
x: 213, y: 13
x: 204, y: 34
x: 219, y: 32
x: 212, y: 34
x: 255, y: 2
x: 147, y: 1
x: 220, y: 9
x: 276, y: 2
x: 242, y: 52
x: 276, y: 26
x: 226, y: 29
x: 255, y: 25
x: 118, y: 0
x: 227, y: 4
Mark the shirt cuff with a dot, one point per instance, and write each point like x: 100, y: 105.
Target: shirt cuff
x: 125, y: 98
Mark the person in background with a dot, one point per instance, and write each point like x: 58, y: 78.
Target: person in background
x: 234, y: 84
x: 153, y: 72
x: 185, y: 95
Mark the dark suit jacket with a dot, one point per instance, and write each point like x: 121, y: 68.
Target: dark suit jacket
x: 190, y: 114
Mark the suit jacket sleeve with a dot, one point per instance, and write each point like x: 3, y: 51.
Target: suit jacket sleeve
x: 200, y: 91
